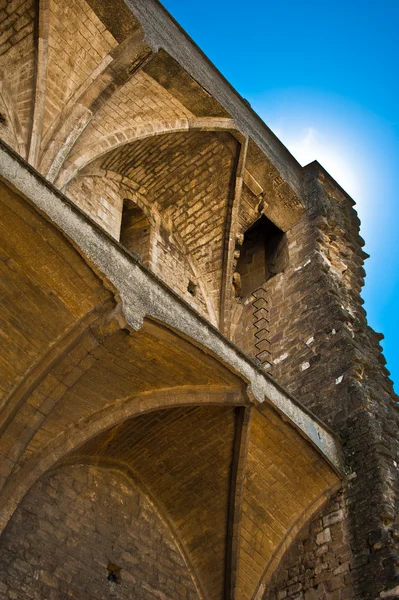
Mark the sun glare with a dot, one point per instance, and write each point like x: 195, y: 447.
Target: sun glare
x: 353, y: 144
x: 311, y: 144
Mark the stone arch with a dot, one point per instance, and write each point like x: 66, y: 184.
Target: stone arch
x: 135, y: 232
x: 109, y: 183
x: 145, y: 432
x: 311, y: 511
x: 108, y: 76
x: 86, y: 155
x: 135, y: 481
x: 106, y: 418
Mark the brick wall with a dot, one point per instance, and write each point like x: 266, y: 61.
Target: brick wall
x: 78, y: 41
x: 101, y: 196
x: 317, y: 565
x: 101, y: 199
x: 187, y: 177
x: 72, y: 524
x: 182, y: 183
x: 17, y: 70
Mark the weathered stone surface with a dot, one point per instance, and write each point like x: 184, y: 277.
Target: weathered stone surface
x: 149, y: 321
x: 78, y: 520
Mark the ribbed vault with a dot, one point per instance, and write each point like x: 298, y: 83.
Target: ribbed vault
x: 183, y: 457
x: 81, y: 78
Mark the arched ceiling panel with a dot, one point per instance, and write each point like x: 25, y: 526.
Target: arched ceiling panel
x: 105, y: 368
x: 168, y: 73
x: 183, y: 458
x: 284, y: 479
x: 141, y: 104
x: 77, y: 522
x: 46, y: 289
x: 188, y: 177
x: 77, y: 43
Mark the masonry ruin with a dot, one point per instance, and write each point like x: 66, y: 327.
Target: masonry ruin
x: 192, y: 403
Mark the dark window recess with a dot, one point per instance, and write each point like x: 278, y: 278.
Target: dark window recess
x: 114, y: 573
x: 135, y: 230
x: 191, y: 288
x: 3, y: 120
x: 263, y: 253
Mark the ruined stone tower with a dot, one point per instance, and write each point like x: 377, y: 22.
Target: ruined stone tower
x: 192, y: 405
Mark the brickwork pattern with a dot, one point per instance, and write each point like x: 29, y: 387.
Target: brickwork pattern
x: 261, y: 326
x: 317, y: 566
x: 101, y: 195
x: 72, y: 524
x: 249, y: 211
x: 101, y: 199
x: 140, y: 108
x: 251, y: 329
x: 183, y: 458
x: 187, y: 176
x: 140, y: 101
x: 174, y: 264
x: 7, y: 129
x: 250, y: 320
x: 78, y: 41
x: 17, y: 69
x: 243, y: 325
x: 121, y: 367
x: 38, y: 304
x: 270, y: 475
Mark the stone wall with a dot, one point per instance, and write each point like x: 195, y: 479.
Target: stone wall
x: 317, y: 565
x: 73, y: 524
x: 87, y: 108
x: 325, y: 354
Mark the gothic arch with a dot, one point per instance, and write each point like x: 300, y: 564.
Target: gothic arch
x: 86, y: 155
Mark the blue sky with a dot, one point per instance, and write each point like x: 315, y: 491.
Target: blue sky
x: 324, y: 76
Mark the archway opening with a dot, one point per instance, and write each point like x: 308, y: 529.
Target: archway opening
x: 262, y: 255
x: 135, y: 230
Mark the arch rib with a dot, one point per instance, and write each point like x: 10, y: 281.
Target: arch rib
x: 240, y: 453
x: 91, y: 152
x: 42, y: 44
x: 87, y: 428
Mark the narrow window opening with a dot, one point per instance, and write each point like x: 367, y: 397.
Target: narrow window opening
x: 3, y: 120
x: 191, y: 288
x: 263, y: 254
x: 114, y: 573
x: 135, y: 230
